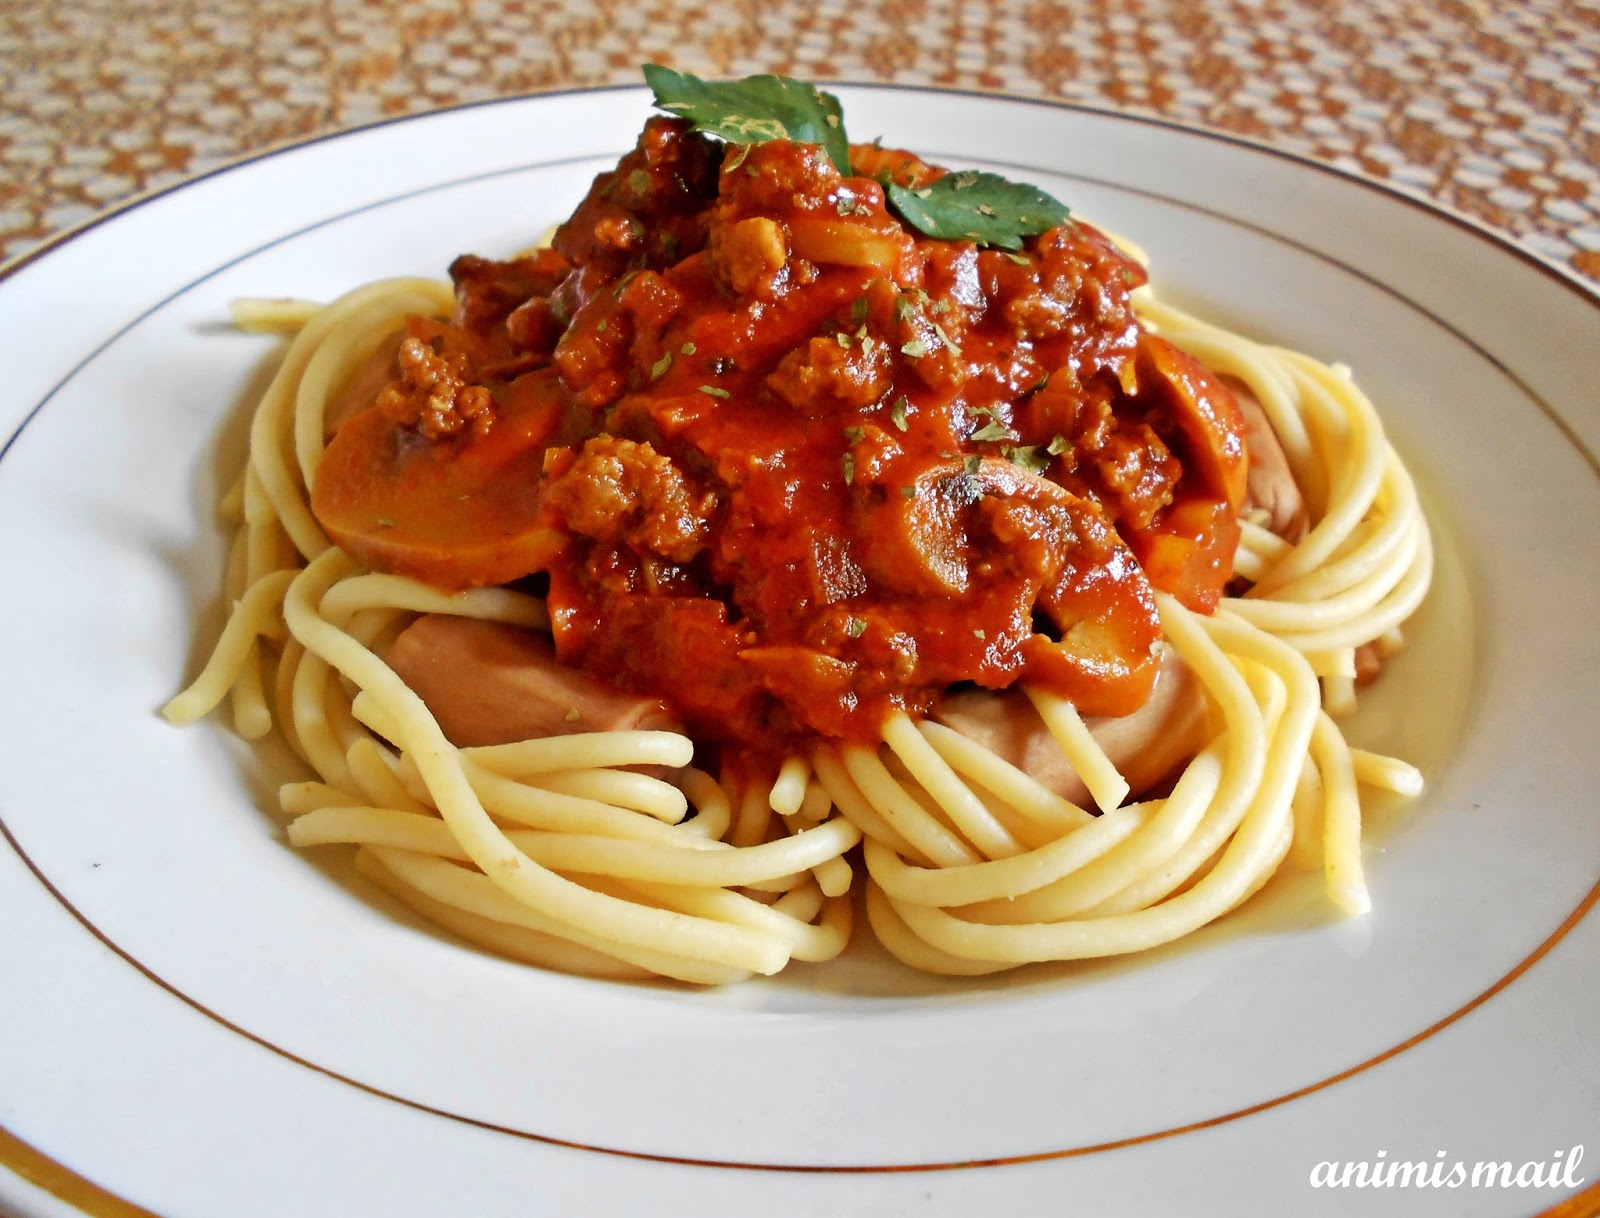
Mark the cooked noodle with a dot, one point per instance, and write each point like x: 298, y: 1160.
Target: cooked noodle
x: 561, y: 852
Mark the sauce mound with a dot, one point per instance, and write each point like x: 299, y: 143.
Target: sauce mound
x: 787, y: 464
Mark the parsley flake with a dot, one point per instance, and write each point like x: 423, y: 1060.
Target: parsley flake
x: 897, y: 412
x: 1058, y: 445
x: 1030, y: 457
x: 855, y: 627
x: 851, y: 204
x: 993, y: 431
x: 713, y: 391
x: 916, y: 348
x: 659, y: 368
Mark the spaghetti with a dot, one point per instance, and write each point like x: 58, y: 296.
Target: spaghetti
x: 626, y: 838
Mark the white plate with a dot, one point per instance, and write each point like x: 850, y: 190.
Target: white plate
x: 204, y: 1021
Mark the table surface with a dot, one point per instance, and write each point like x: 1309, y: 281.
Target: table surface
x: 1488, y: 107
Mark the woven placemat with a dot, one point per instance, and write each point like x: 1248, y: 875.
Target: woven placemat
x: 1489, y: 108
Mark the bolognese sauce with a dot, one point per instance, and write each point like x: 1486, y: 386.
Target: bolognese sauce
x: 787, y: 464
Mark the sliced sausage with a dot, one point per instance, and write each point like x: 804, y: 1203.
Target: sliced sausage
x: 1271, y: 487
x: 1146, y: 746
x: 489, y: 683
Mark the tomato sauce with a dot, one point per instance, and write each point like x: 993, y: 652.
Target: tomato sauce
x: 787, y: 464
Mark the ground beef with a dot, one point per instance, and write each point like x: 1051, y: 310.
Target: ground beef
x: 433, y: 394
x: 620, y: 491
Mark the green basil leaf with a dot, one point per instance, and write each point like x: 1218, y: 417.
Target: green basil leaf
x: 755, y: 109
x: 981, y: 207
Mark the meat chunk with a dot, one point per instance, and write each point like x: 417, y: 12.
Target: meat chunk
x: 647, y: 207
x: 1136, y: 473
x: 487, y: 292
x: 826, y: 376
x: 488, y: 683
x: 1146, y: 746
x: 1075, y: 289
x: 435, y: 393
x: 621, y: 491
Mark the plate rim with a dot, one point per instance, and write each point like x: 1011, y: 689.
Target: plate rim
x: 1587, y: 294
x: 1461, y: 219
